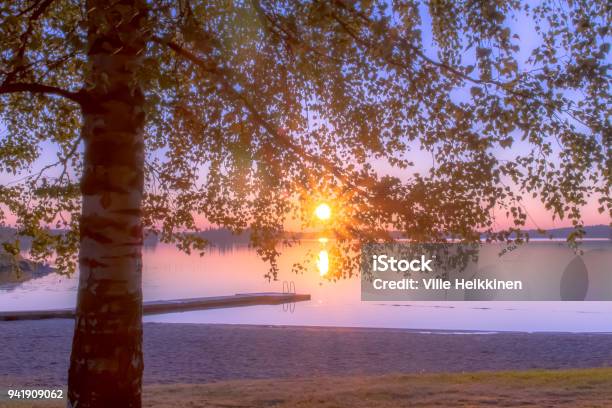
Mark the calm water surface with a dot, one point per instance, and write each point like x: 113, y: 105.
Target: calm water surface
x: 170, y: 274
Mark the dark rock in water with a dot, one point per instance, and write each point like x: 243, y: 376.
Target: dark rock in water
x: 25, y: 266
x: 575, y: 280
x: 15, y: 269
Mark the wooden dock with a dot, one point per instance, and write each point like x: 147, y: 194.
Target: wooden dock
x: 173, y: 306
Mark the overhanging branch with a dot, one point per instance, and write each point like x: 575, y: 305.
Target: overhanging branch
x: 36, y: 88
x: 239, y: 97
x: 440, y: 65
x: 18, y: 58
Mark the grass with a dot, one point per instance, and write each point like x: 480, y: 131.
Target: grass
x: 536, y: 388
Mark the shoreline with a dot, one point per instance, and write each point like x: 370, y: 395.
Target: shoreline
x: 37, y: 352
x: 389, y: 329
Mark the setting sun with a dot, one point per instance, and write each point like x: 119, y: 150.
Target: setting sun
x: 323, y: 212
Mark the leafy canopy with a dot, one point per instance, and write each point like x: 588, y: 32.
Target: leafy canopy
x: 257, y: 110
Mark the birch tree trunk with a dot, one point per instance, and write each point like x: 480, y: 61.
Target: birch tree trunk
x: 106, y: 363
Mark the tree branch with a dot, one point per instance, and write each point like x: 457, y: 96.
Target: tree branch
x: 62, y: 160
x: 277, y: 28
x: 440, y: 65
x: 36, y: 88
x: 280, y: 136
x: 18, y: 58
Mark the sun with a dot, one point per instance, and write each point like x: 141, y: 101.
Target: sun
x: 323, y: 212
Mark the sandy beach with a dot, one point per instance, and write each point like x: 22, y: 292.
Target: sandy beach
x: 224, y: 366
x: 37, y: 352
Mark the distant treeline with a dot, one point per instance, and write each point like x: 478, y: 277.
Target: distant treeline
x: 222, y: 237
x: 592, y: 231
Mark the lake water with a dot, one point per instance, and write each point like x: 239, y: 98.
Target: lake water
x: 170, y: 274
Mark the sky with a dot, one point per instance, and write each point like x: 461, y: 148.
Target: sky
x: 539, y: 217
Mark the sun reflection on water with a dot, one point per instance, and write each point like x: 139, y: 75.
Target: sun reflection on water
x: 323, y: 262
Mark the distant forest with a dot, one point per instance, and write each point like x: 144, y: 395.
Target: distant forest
x: 224, y: 238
